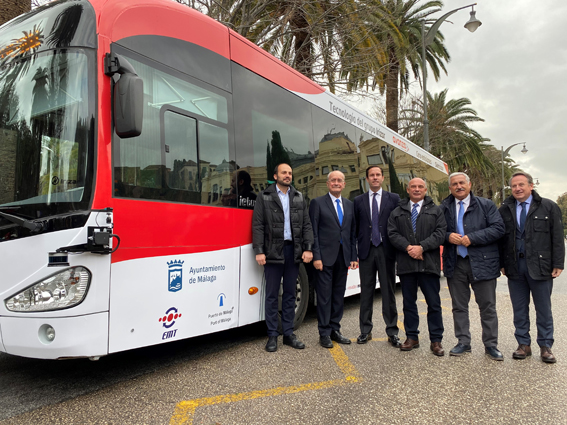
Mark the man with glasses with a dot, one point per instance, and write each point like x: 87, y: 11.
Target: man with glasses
x: 334, y: 251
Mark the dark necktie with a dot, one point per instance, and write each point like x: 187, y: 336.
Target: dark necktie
x: 376, y: 238
x: 414, y: 217
x: 523, y: 217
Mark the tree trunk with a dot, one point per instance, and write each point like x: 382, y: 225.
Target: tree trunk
x: 9, y: 9
x: 302, y: 45
x: 392, y: 94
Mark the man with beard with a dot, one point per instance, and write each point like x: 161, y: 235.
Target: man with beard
x: 281, y: 237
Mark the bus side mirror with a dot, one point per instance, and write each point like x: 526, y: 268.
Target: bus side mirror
x: 128, y: 105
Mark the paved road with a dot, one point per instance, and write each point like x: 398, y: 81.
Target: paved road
x: 229, y: 379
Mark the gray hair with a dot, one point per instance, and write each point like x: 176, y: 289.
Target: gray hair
x: 521, y: 173
x: 335, y: 171
x: 459, y: 173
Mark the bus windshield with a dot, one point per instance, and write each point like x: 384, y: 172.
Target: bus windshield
x: 46, y: 122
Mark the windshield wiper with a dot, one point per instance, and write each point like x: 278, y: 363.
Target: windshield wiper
x: 32, y: 226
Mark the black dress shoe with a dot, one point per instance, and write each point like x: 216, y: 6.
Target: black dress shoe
x: 494, y: 353
x: 325, y: 341
x: 395, y: 341
x: 363, y: 338
x: 336, y: 336
x: 293, y: 341
x: 272, y: 344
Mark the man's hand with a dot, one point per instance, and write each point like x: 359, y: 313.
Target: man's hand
x: 502, y: 271
x: 354, y: 265
x: 556, y: 272
x: 465, y: 241
x: 318, y: 264
x: 261, y: 259
x: 307, y: 256
x: 415, y: 252
x: 455, y: 238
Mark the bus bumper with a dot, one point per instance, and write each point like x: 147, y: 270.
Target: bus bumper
x: 80, y: 336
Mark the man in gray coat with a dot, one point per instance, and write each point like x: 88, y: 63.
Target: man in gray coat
x: 471, y: 260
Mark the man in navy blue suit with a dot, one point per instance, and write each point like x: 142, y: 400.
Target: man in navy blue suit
x: 334, y: 251
x: 376, y: 255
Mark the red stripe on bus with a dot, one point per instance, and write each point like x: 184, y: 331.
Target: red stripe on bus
x: 118, y: 20
x: 174, y: 228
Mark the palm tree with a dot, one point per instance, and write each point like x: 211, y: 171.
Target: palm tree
x: 397, y: 23
x: 451, y: 138
x: 323, y: 40
x: 12, y: 8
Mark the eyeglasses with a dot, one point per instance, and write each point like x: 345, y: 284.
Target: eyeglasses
x: 336, y: 180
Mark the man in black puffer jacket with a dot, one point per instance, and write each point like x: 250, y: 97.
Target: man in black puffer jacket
x: 281, y: 237
x: 470, y: 260
x: 416, y: 229
x: 532, y: 254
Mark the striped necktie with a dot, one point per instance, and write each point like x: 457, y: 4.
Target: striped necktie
x: 414, y: 217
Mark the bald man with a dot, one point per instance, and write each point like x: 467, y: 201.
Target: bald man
x: 417, y: 229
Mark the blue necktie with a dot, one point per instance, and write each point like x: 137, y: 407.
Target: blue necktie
x: 414, y: 217
x: 461, y: 249
x: 376, y: 238
x: 339, y: 211
x: 523, y: 217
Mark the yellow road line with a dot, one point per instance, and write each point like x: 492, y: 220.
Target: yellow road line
x: 185, y: 410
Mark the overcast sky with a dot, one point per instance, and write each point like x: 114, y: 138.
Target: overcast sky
x: 514, y: 71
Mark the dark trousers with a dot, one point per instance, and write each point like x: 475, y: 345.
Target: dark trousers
x: 520, y: 289
x: 274, y: 274
x: 378, y: 262
x: 330, y: 286
x: 430, y: 287
x: 485, y: 295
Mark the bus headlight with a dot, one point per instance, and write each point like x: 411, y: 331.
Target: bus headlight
x: 62, y: 290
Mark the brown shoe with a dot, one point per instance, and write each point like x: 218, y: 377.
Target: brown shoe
x: 409, y: 345
x: 522, y: 352
x: 437, y: 349
x: 547, y: 356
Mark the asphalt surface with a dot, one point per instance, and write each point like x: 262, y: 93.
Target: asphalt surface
x: 228, y: 378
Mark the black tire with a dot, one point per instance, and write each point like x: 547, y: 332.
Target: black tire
x: 301, y: 300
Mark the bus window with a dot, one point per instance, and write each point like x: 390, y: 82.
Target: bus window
x: 272, y: 126
x: 180, y: 137
x: 183, y: 153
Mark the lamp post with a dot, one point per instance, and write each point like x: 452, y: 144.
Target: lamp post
x: 426, y: 40
x: 505, y: 154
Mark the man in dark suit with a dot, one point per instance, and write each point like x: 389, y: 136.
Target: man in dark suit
x: 376, y: 254
x: 532, y: 254
x: 334, y: 251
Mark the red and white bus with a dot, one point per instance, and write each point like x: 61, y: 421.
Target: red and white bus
x: 134, y: 137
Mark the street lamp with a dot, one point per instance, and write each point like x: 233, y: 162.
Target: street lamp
x: 505, y: 154
x: 471, y: 25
